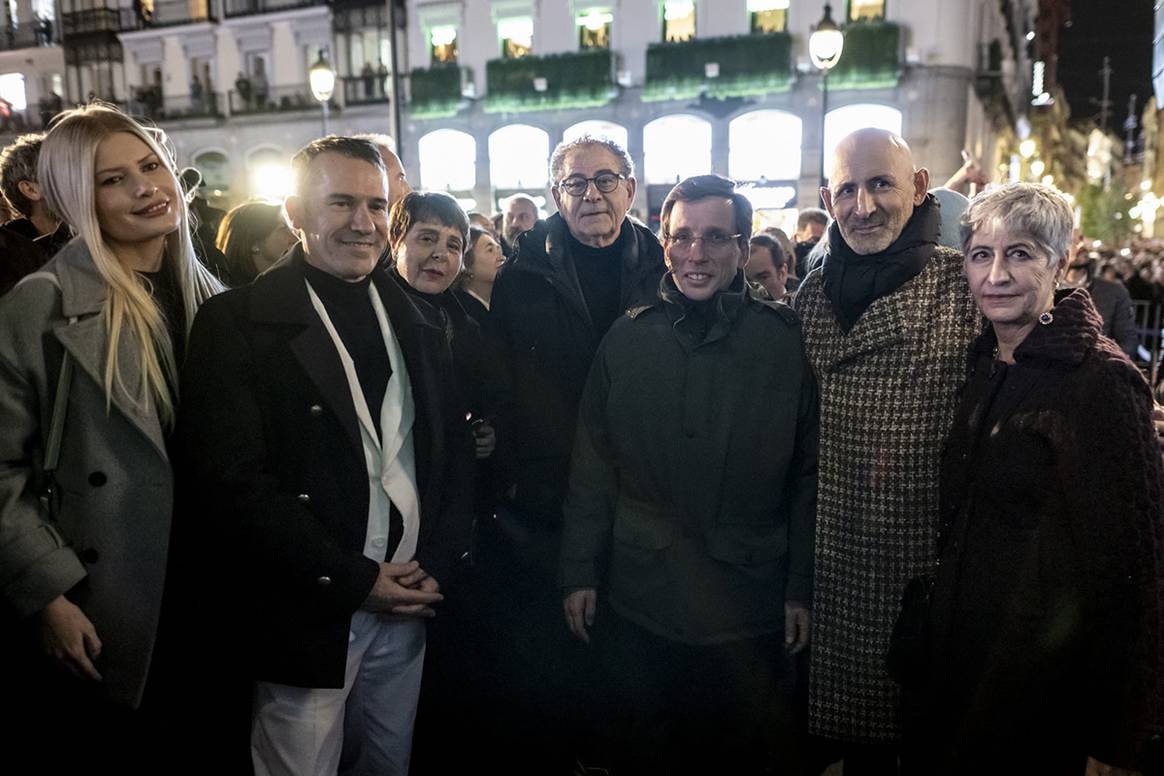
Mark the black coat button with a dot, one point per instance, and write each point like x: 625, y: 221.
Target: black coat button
x: 89, y: 556
x: 97, y: 479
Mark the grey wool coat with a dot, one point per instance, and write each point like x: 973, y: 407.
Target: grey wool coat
x: 888, y: 392
x: 108, y: 547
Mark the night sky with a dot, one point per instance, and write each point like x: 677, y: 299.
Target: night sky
x: 1121, y: 30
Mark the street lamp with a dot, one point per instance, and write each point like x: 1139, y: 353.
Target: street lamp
x: 322, y: 80
x: 824, y: 47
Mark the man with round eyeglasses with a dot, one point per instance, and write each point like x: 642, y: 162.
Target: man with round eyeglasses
x: 573, y: 274
x: 691, y: 506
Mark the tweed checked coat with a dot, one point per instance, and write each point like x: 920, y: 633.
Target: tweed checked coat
x: 888, y: 392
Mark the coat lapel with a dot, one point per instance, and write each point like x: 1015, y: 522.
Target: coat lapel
x: 419, y: 341
x: 280, y: 297
x: 83, y: 295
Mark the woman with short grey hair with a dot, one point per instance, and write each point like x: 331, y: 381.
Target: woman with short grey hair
x: 1045, y: 614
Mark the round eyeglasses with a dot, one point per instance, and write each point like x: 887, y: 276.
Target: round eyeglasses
x: 605, y: 182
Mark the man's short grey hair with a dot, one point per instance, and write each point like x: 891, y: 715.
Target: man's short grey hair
x: 558, y: 158
x: 524, y: 199
x: 1033, y: 210
x: 378, y: 139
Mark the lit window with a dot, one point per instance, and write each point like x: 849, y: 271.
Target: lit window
x: 12, y: 90
x: 602, y: 130
x: 448, y: 161
x: 768, y: 15
x: 594, y: 28
x: 519, y: 157
x: 678, y: 20
x: 676, y: 147
x: 764, y: 144
x: 516, y: 37
x: 866, y: 10
x: 842, y: 121
x: 444, y: 45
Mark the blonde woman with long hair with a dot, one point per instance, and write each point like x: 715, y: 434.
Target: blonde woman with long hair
x: 89, y: 354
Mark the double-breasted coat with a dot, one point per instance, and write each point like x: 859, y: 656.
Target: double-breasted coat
x: 108, y: 547
x: 272, y: 467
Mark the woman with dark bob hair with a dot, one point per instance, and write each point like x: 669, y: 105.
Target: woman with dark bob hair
x: 427, y: 235
x: 252, y: 237
x: 1045, y: 616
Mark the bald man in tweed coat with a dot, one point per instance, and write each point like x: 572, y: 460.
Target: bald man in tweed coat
x: 887, y: 320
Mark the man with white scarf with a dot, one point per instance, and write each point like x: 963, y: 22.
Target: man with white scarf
x: 318, y: 434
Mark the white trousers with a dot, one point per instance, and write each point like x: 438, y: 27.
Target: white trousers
x: 304, y: 732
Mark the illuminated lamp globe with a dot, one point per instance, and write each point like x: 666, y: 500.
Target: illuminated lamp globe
x: 826, y: 42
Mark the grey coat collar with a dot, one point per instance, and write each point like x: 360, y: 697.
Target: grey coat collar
x: 83, y: 294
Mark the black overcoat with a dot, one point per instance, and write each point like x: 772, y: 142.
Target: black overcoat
x: 1047, y: 608
x: 273, y: 474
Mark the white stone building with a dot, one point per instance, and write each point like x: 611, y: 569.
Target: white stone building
x: 733, y: 92
x: 490, y: 86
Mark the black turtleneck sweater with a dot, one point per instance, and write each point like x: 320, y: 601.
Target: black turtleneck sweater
x: 350, y: 308
x: 600, y: 276
x: 167, y: 294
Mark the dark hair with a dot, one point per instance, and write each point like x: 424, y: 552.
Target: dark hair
x: 352, y: 147
x: 426, y: 207
x: 704, y: 187
x: 811, y: 215
x: 244, y: 227
x: 18, y: 163
x: 475, y: 235
x: 779, y: 257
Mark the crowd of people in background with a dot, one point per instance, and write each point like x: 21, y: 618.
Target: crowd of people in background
x: 363, y: 483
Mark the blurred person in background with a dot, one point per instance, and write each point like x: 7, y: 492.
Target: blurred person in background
x: 252, y: 237
x: 483, y: 259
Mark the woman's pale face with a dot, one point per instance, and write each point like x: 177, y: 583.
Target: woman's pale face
x: 274, y: 245
x: 429, y: 256
x: 1012, y: 279
x: 487, y: 259
x: 136, y: 195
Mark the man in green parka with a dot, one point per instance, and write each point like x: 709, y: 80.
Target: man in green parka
x: 691, y: 503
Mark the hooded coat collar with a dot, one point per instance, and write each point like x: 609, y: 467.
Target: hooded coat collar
x: 1074, y: 329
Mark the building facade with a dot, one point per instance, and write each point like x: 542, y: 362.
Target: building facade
x: 695, y: 86
x: 488, y: 87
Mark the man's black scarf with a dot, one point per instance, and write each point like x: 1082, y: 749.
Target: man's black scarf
x: 853, y: 282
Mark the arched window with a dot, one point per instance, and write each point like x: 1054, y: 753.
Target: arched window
x: 215, y: 169
x: 604, y: 130
x: 676, y: 147
x: 270, y: 174
x: 850, y: 118
x: 448, y: 160
x: 764, y: 144
x: 519, y: 156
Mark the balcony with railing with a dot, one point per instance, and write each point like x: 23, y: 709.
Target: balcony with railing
x: 279, y: 99
x: 365, y: 89
x: 91, y: 21
x: 148, y: 102
x: 231, y: 8
x: 580, y: 79
x: 732, y: 66
x: 40, y: 32
x: 871, y: 58
x: 167, y: 13
x: 436, y: 92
